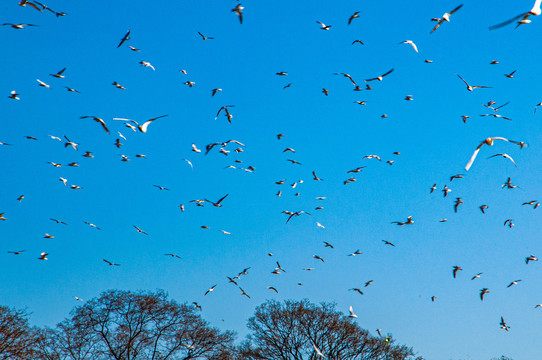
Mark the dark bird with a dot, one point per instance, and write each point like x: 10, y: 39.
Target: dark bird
x: 455, y: 269
x: 205, y: 37
x: 379, y: 78
x: 353, y: 17
x: 125, y: 38
x: 482, y: 293
x: 110, y: 263
x: 218, y: 203
x: 458, y: 202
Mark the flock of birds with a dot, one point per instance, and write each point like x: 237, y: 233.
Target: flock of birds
x: 226, y: 110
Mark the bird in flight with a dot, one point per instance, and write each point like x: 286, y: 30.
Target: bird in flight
x: 455, y: 269
x: 351, y: 311
x: 411, y: 43
x: 353, y: 17
x: 503, y: 324
x: 379, y: 78
x: 489, y: 141
x: 210, y: 290
x: 98, y: 120
x: 536, y: 10
x: 482, y: 293
x: 408, y: 222
x: 110, y: 263
x: 445, y: 17
x: 506, y: 156
x: 471, y: 88
x: 16, y: 252
x: 239, y: 11
x: 324, y: 26
x: 143, y: 127
x: 225, y: 108
x: 125, y: 38
x: 59, y: 74
x: 218, y: 203
x: 205, y: 37
x: 17, y: 26
x: 139, y: 230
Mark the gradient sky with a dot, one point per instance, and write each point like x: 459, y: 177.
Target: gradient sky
x: 330, y: 135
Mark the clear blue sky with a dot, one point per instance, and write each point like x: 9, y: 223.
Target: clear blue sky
x: 330, y: 135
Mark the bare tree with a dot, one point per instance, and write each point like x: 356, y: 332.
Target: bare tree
x: 15, y: 335
x: 123, y: 325
x: 300, y: 330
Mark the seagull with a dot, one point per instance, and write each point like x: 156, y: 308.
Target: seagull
x: 16, y: 252
x: 515, y: 282
x: 126, y: 37
x: 316, y: 178
x: 58, y: 221
x: 161, y: 187
x: 482, y: 293
x: 471, y: 88
x: 357, y: 252
x: 458, y: 176
x: 476, y: 276
x: 346, y: 76
x: 143, y: 127
x: 42, y: 84
x: 353, y: 17
x: 318, y: 352
x: 324, y: 26
x: 483, y: 208
x: 210, y: 290
x: 318, y: 258
x: 326, y: 244
x: 388, y: 243
x: 214, y: 91
x: 352, y: 315
x: 78, y: 299
x: 239, y: 11
x: 508, y: 184
x: 189, y: 83
x: 97, y: 119
x: 325, y: 91
x: 173, y: 255
x: 509, y: 222
x: 379, y: 78
x: 411, y: 43
x: 189, y: 163
x: 71, y: 90
x: 59, y: 74
x: 133, y: 48
x: 455, y: 269
x: 110, y: 263
x: 205, y: 37
x: 118, y: 86
x: 523, y: 16
x: 433, y: 188
x: 408, y: 222
x: 445, y: 17
x: 139, y: 230
x: 489, y: 141
x: 217, y: 204
x: 92, y: 225
x: 14, y: 95
x: 147, y: 64
x: 458, y: 202
x: 503, y: 324
x: 530, y: 258
x: 43, y: 256
x: 225, y: 108
x: 17, y: 26
x: 70, y: 143
x: 506, y: 156
x: 511, y: 75
x: 272, y: 288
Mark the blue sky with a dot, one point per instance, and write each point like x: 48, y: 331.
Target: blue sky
x: 330, y: 135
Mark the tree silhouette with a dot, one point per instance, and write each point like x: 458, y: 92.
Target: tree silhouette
x: 123, y: 325
x: 15, y: 334
x: 299, y: 330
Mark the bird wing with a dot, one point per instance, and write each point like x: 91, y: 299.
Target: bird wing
x: 507, y: 22
x: 222, y: 198
x: 123, y: 39
x: 473, y: 157
x: 457, y: 8
x: 143, y: 127
x: 466, y: 83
